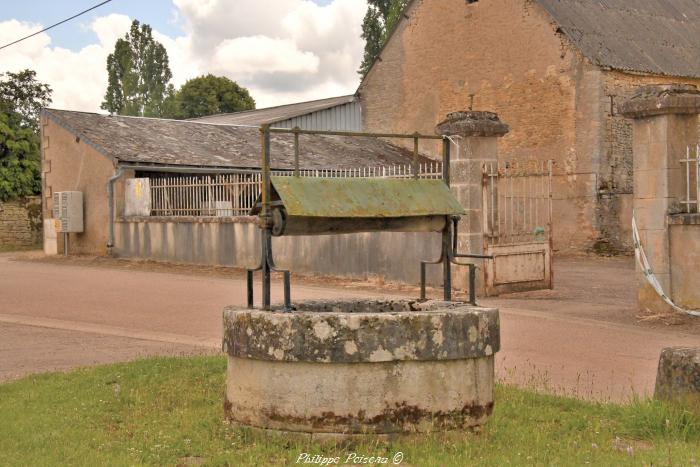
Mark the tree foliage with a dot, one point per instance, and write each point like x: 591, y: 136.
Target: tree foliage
x: 20, y: 160
x: 139, y: 75
x: 379, y: 21
x: 21, y: 93
x: 208, y: 95
x: 21, y: 100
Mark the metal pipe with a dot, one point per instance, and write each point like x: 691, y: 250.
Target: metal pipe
x: 446, y: 266
x: 355, y: 133
x: 415, y: 157
x: 110, y: 200
x: 265, y: 215
x: 249, y: 286
x: 296, y: 151
x: 446, y: 161
x: 66, y: 239
x: 287, y: 291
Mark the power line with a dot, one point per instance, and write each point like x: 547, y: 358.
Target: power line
x: 57, y: 24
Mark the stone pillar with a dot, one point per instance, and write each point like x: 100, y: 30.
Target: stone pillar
x: 476, y: 135
x: 665, y: 123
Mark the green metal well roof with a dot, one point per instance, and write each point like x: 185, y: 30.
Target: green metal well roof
x: 365, y: 197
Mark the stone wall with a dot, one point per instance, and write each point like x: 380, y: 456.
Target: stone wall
x: 449, y: 53
x: 20, y: 223
x: 615, y: 184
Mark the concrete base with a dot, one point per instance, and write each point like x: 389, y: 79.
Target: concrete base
x: 361, y: 368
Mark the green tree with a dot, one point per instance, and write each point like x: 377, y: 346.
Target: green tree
x: 208, y: 95
x: 20, y: 160
x: 139, y: 75
x: 21, y: 100
x: 379, y: 21
x: 22, y: 94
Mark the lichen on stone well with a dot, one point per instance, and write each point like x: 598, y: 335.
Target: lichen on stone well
x: 326, y: 331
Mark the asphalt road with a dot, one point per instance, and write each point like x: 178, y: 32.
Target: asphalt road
x: 55, y: 316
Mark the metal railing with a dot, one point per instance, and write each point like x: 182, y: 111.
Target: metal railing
x: 691, y: 179
x: 235, y: 194
x: 518, y: 201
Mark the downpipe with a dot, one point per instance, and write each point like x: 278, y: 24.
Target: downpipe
x: 110, y: 198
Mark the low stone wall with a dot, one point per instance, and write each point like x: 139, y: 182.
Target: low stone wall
x: 684, y: 242
x: 20, y: 223
x: 235, y: 241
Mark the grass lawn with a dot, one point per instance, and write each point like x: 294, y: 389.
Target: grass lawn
x: 169, y: 411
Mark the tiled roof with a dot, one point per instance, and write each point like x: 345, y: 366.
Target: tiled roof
x: 187, y: 143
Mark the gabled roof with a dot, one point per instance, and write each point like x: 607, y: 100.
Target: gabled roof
x: 196, y: 144
x: 659, y: 37
x: 275, y: 114
x: 644, y: 36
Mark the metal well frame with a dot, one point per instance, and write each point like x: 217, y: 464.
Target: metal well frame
x: 448, y: 254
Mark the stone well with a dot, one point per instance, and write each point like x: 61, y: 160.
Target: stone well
x: 347, y: 368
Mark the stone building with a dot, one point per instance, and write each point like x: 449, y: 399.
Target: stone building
x: 555, y: 71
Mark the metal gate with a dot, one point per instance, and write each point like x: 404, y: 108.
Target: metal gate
x: 517, y: 200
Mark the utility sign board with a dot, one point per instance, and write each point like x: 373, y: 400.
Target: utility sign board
x: 68, y: 211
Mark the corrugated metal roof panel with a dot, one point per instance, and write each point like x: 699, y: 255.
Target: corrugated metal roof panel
x: 365, y: 197
x: 276, y: 114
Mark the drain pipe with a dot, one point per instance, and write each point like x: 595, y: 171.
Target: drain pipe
x: 110, y: 197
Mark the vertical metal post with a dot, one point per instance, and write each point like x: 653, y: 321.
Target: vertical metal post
x: 472, y: 284
x: 446, y: 267
x: 65, y: 243
x: 249, y: 283
x: 422, y: 281
x: 697, y: 178
x: 287, y: 291
x: 266, y: 228
x: 447, y: 232
x: 296, y: 151
x: 687, y: 179
x: 446, y: 161
x: 414, y: 165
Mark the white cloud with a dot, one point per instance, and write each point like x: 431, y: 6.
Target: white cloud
x: 251, y: 55
x: 282, y: 50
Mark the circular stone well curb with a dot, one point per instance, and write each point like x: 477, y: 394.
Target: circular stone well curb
x: 362, y: 367
x: 346, y: 332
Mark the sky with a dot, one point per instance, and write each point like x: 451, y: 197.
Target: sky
x: 283, y: 51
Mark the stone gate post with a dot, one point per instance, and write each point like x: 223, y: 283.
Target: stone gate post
x: 476, y: 136
x: 665, y: 124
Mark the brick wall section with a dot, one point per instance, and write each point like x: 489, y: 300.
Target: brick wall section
x: 20, y: 223
x: 509, y: 55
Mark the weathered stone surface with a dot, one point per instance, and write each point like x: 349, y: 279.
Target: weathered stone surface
x: 662, y: 99
x: 363, y: 331
x: 20, y: 222
x: 344, y: 369
x: 360, y: 398
x: 472, y: 123
x: 678, y: 377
